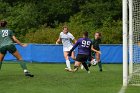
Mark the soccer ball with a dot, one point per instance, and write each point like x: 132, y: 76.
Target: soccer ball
x: 93, y: 62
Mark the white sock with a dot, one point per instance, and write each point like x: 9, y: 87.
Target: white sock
x: 68, y: 64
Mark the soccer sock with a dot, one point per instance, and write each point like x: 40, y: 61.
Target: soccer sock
x: 85, y: 66
x: 89, y: 64
x: 100, y: 65
x: 23, y: 66
x: 0, y: 65
x: 68, y: 63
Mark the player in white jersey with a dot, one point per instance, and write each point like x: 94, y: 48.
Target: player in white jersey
x: 66, y: 38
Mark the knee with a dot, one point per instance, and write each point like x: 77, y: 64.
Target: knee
x: 66, y: 57
x: 73, y: 58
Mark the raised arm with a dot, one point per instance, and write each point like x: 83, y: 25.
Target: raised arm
x: 18, y: 42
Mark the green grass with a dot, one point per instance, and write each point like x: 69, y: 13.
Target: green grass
x: 51, y: 78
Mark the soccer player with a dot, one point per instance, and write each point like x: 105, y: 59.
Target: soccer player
x: 66, y: 37
x: 6, y: 44
x: 95, y: 43
x: 84, y: 51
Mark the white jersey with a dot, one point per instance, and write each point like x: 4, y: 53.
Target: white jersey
x: 66, y: 41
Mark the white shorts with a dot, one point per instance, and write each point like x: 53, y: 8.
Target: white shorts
x: 67, y: 48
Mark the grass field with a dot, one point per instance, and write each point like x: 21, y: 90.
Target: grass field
x: 51, y: 78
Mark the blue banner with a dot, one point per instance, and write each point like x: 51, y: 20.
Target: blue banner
x: 54, y: 53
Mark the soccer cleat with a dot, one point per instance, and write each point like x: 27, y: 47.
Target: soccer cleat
x: 101, y: 70
x: 68, y: 69
x: 28, y: 74
x: 76, y: 69
x: 88, y: 72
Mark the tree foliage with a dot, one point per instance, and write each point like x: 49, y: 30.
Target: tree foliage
x: 41, y: 21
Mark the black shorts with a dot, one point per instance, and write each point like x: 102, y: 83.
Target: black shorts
x: 10, y: 48
x: 82, y: 58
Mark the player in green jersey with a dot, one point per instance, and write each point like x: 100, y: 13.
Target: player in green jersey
x: 95, y: 56
x: 7, y: 38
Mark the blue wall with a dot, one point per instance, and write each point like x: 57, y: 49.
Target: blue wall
x: 54, y: 53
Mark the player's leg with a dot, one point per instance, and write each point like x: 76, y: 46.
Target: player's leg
x: 22, y: 63
x: 67, y: 60
x: 77, y: 62
x: 3, y: 51
x: 74, y: 58
x: 99, y: 61
x: 12, y: 49
x: 84, y: 59
x: 73, y: 55
x: 76, y: 65
x: 81, y: 59
x: 86, y: 66
x: 92, y: 59
x: 1, y: 59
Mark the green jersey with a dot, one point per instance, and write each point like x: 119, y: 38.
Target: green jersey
x: 95, y: 43
x: 5, y: 37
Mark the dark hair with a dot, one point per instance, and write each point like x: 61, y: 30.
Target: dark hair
x: 85, y: 34
x: 99, y: 33
x: 3, y: 23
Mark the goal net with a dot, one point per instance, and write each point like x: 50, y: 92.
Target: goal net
x: 131, y: 42
x: 134, y: 42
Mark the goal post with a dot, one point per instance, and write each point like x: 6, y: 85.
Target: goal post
x: 130, y: 37
x: 131, y: 42
x: 125, y: 45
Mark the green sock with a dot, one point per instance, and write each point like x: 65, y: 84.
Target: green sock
x: 100, y: 65
x: 23, y: 65
x: 0, y: 65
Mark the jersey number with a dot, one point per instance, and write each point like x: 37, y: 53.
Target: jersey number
x: 4, y: 33
x: 86, y: 43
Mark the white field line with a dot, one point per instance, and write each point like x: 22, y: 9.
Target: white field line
x: 122, y: 90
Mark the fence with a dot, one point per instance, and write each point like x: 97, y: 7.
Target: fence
x: 54, y: 54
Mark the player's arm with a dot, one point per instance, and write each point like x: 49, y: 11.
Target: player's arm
x: 74, y: 40
x: 75, y: 45
x: 18, y: 42
x: 58, y: 40
x: 95, y: 50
